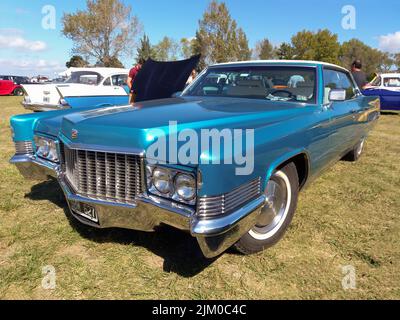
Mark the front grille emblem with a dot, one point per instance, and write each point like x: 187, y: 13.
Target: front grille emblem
x: 74, y: 134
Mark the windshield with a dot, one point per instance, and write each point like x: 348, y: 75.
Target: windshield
x: 283, y: 83
x: 85, y: 77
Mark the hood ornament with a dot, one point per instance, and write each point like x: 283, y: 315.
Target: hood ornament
x: 74, y: 134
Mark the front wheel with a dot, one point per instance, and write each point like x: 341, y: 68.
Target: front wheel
x: 18, y: 92
x: 281, y: 200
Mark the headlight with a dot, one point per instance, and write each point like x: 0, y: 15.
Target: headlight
x: 162, y: 181
x: 171, y: 183
x: 46, y: 148
x: 185, y: 187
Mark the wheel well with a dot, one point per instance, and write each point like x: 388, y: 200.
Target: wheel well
x: 302, y: 167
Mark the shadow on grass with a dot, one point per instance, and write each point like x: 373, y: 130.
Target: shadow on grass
x: 180, y: 251
x: 390, y: 113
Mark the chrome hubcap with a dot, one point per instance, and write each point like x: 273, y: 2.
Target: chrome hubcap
x: 274, y: 212
x: 360, y: 148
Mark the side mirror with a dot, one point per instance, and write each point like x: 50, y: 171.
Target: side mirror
x: 176, y: 94
x: 337, y: 95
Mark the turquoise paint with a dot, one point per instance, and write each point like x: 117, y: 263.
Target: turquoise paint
x: 282, y: 129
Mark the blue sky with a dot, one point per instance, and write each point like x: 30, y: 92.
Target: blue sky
x: 26, y: 48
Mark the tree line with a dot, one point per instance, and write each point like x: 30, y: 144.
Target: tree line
x: 107, y: 31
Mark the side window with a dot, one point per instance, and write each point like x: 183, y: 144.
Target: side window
x: 334, y: 79
x: 107, y: 82
x: 120, y: 80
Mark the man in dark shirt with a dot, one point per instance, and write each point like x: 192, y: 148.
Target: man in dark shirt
x: 358, y: 75
x: 131, y: 78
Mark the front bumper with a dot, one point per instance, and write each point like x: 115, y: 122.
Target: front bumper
x: 40, y: 107
x: 214, y: 235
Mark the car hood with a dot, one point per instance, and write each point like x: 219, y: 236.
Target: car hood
x: 133, y: 127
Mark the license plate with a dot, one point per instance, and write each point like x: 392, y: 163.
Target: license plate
x: 46, y: 99
x: 84, y: 210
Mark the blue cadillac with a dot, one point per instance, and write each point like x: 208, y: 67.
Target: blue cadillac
x: 224, y: 160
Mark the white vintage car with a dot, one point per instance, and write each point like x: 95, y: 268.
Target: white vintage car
x: 387, y: 87
x: 86, y: 87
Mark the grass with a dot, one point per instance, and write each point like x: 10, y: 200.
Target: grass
x: 349, y: 216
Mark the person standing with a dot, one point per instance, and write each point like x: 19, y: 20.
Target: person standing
x: 192, y: 77
x: 131, y: 78
x: 359, y: 76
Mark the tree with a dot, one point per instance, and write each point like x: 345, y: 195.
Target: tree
x: 166, y: 50
x: 321, y: 46
x: 285, y: 52
x: 188, y: 47
x: 243, y: 50
x: 355, y: 49
x: 105, y: 30
x: 112, y: 62
x: 387, y: 62
x: 397, y: 60
x: 218, y: 39
x: 145, y: 50
x: 264, y: 50
x: 77, y: 62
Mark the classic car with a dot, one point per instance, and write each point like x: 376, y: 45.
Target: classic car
x: 86, y: 87
x: 387, y: 87
x: 9, y: 87
x: 112, y: 175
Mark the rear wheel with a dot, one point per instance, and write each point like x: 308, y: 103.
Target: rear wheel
x: 281, y: 200
x: 356, y: 153
x: 18, y: 92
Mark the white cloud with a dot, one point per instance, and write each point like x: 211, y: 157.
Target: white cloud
x: 31, y: 67
x: 14, y: 39
x: 390, y: 42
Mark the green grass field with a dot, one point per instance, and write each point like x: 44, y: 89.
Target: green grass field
x: 349, y: 216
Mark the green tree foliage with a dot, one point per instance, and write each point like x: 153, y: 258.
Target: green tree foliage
x: 188, y: 47
x: 218, y: 38
x: 322, y: 45
x: 111, y: 62
x: 76, y: 62
x: 355, y: 49
x: 145, y: 50
x: 166, y: 50
x: 285, y: 52
x: 264, y: 50
x: 105, y: 31
x: 387, y: 62
x: 397, y: 60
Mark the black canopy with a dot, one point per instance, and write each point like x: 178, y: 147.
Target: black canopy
x: 159, y: 80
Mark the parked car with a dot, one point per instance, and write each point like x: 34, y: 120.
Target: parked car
x: 106, y: 165
x: 8, y: 87
x: 387, y: 87
x: 88, y: 87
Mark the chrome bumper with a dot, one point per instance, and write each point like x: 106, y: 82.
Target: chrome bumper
x: 39, y: 107
x: 214, y: 235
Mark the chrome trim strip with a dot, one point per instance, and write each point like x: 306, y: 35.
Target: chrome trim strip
x: 210, y: 207
x: 23, y: 147
x: 43, y: 107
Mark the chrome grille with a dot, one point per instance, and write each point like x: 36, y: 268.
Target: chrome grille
x: 209, y: 207
x: 104, y: 176
x: 23, y: 147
